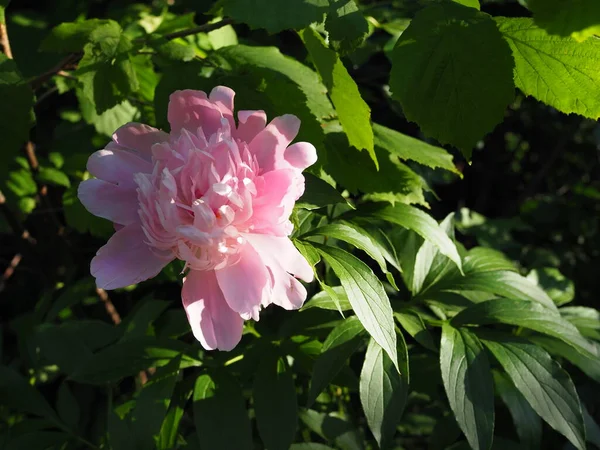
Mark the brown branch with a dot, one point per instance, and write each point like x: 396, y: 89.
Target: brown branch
x: 10, y: 270
x: 58, y: 68
x: 108, y: 305
x: 4, y: 35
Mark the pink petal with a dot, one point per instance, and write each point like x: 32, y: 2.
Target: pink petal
x: 139, y: 137
x: 192, y: 110
x: 125, y: 260
x: 277, y: 192
x: 245, y: 283
x: 269, y: 145
x: 117, y: 166
x: 301, y: 155
x: 276, y: 250
x: 213, y: 322
x: 250, y: 123
x: 222, y: 96
x: 118, y: 204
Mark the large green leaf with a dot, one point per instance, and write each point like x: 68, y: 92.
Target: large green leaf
x: 332, y: 428
x: 418, y: 221
x: 558, y: 71
x: 526, y: 314
x: 324, y: 300
x: 170, y: 426
x: 337, y: 348
x: 587, y: 320
x: 409, y: 148
x: 546, y: 386
x: 71, y: 36
x: 527, y: 422
x: 588, y: 362
x: 220, y: 413
x: 275, y: 403
x: 384, y: 390
x: 354, y: 114
x: 366, y: 295
x: 276, y: 16
x: 577, y: 18
x: 452, y: 73
x: 318, y: 194
x: 469, y: 386
x: 414, y: 325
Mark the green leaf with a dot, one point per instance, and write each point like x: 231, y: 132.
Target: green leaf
x: 526, y: 314
x: 16, y: 111
x: 384, y: 391
x: 50, y: 175
x: 67, y: 406
x: 337, y: 348
x: 176, y: 50
x: 323, y: 300
x: 136, y: 324
x: 275, y: 403
x: 452, y: 74
x: 71, y: 36
x: 310, y: 446
x: 527, y: 422
x: 346, y: 26
x: 560, y: 72
x: 220, y: 413
x: 579, y: 18
x: 17, y: 393
x: 106, y: 71
x: 359, y: 238
x: 276, y: 16
x: 410, y: 149
x: 592, y: 430
x: 589, y: 363
x: 78, y: 218
x: 152, y: 404
x: 366, y: 295
x: 587, y: 320
x: 170, y: 426
x: 354, y: 114
x: 332, y: 428
x: 421, y: 223
x: 413, y: 324
x: 546, y: 386
x: 559, y: 288
x: 222, y: 37
x: 482, y: 259
x: 500, y: 282
x: 119, y: 434
x: 318, y: 194
x: 469, y: 386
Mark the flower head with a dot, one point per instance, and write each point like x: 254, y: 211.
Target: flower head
x: 215, y: 194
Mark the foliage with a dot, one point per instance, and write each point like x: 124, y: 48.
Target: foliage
x: 452, y: 222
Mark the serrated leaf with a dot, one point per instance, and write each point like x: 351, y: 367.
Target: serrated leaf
x: 275, y: 403
x: 422, y: 224
x: 410, y: 149
x: 220, y: 413
x: 366, y: 295
x: 452, y: 74
x: 527, y: 422
x: 470, y: 3
x: 384, y: 391
x: 546, y: 386
x: 354, y: 114
x: 359, y: 238
x: 276, y: 16
x: 71, y: 36
x: 560, y: 72
x: 346, y: 26
x: 468, y: 382
x: 318, y: 194
x: 337, y: 348
x: 324, y: 300
x: 526, y: 314
x: 578, y: 18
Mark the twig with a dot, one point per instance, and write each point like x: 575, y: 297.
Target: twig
x: 108, y: 305
x: 199, y: 29
x: 58, y: 68
x: 13, y: 222
x: 4, y: 35
x: 8, y: 272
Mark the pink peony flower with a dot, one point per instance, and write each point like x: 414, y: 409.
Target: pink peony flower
x: 212, y: 193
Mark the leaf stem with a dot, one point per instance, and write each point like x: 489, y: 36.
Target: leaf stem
x: 4, y: 35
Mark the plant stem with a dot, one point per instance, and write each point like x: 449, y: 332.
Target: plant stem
x: 4, y: 35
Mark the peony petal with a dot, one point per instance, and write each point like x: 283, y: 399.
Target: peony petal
x: 139, y: 137
x: 213, y: 322
x: 301, y: 155
x: 250, y: 124
x: 276, y: 250
x: 223, y: 96
x: 118, y: 204
x: 269, y: 145
x: 192, y: 110
x: 125, y: 260
x: 245, y: 283
x: 117, y: 166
